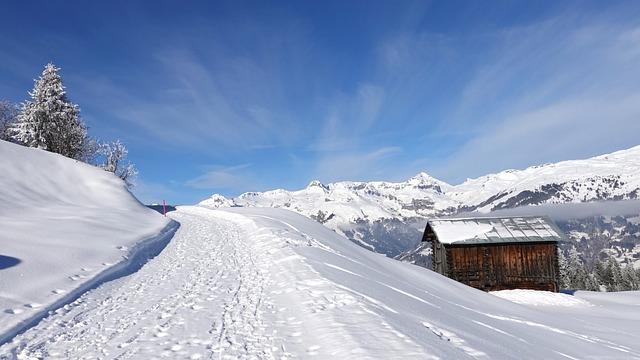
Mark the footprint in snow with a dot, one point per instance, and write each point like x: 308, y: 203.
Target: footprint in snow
x: 14, y: 311
x: 58, y: 291
x: 33, y: 305
x: 313, y: 350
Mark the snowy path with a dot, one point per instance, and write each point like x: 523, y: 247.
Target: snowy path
x: 267, y: 284
x: 203, y: 297
x: 203, y: 293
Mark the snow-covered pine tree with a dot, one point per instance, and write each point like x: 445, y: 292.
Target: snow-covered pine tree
x: 564, y: 271
x: 629, y: 278
x: 602, y: 273
x: 8, y: 114
x: 592, y: 283
x: 576, y: 270
x: 49, y: 120
x: 616, y: 275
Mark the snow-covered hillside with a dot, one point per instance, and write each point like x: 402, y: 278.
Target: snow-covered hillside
x: 260, y: 283
x: 63, y: 226
x: 389, y: 217
x: 613, y: 176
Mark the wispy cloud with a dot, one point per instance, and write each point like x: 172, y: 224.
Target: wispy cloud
x: 349, y: 117
x: 356, y: 165
x: 558, y: 89
x: 201, y: 91
x: 222, y: 178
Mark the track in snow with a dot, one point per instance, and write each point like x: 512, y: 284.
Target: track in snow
x: 202, y: 296
x: 205, y: 296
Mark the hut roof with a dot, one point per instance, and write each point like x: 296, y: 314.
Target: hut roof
x: 496, y: 230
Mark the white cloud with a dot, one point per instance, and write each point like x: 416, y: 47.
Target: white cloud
x: 355, y: 165
x: 557, y: 90
x: 562, y: 131
x: 225, y: 178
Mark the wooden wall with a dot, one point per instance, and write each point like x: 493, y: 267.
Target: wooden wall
x: 504, y: 266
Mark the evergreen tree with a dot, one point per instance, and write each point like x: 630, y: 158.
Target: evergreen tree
x: 576, y: 270
x: 592, y: 283
x: 49, y: 120
x: 616, y: 275
x: 629, y: 278
x: 564, y: 271
x: 600, y: 273
x: 8, y: 114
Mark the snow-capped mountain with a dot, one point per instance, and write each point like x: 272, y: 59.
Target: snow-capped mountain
x: 374, y: 214
x: 347, y: 201
x: 388, y: 217
x: 614, y: 176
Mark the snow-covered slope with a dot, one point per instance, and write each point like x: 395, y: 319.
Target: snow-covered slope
x: 615, y: 176
x: 63, y: 224
x: 261, y: 283
x: 389, y: 217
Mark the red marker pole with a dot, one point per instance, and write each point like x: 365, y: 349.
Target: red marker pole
x: 164, y: 208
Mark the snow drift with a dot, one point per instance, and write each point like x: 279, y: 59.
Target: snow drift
x: 66, y: 225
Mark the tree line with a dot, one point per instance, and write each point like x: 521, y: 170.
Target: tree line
x: 605, y: 275
x: 48, y: 120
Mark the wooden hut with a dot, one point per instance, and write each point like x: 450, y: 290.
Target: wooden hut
x: 497, y: 253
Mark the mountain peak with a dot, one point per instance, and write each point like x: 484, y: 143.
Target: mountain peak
x: 424, y: 178
x: 217, y: 200
x: 317, y: 183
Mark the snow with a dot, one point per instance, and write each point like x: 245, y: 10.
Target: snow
x: 507, y: 229
x: 452, y: 232
x: 269, y: 283
x: 66, y: 225
x: 540, y: 298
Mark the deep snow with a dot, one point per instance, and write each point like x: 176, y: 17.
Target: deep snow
x: 67, y: 225
x: 268, y: 283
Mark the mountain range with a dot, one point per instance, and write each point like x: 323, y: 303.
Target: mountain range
x: 388, y: 217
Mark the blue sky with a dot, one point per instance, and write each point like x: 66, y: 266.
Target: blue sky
x: 238, y: 96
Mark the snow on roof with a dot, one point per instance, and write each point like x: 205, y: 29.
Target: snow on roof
x: 496, y: 230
